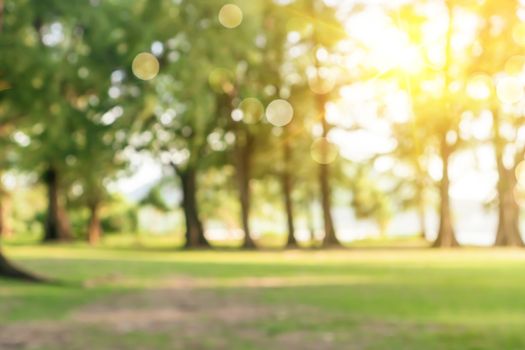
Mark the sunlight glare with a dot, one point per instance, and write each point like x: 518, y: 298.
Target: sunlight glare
x: 518, y: 33
x: 515, y: 65
x: 519, y: 190
x: 480, y: 87
x: 510, y: 90
x: 322, y: 81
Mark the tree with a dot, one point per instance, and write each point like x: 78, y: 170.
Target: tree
x: 7, y: 269
x: 105, y: 124
x: 274, y: 58
x: 412, y: 151
x: 185, y: 107
x: 500, y: 51
x: 439, y: 110
x: 239, y: 80
x: 369, y: 201
x: 436, y: 110
x: 37, y: 37
x: 319, y: 32
x: 6, y: 146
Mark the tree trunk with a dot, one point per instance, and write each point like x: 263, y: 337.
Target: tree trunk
x: 5, y: 213
x: 5, y: 222
x: 1, y: 15
x: 7, y: 270
x: 194, y: 230
x: 243, y: 163
x: 57, y: 225
x: 330, y: 238
x: 2, y: 217
x: 383, y: 229
x: 508, y: 233
x: 421, y: 213
x: 310, y: 214
x: 446, y: 236
x: 286, y: 181
x: 94, y: 228
x: 288, y: 203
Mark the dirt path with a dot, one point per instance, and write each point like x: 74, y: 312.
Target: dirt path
x: 178, y: 317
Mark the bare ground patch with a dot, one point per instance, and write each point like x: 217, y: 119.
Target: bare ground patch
x: 187, y: 315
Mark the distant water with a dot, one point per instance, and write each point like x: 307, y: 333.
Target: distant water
x: 474, y: 224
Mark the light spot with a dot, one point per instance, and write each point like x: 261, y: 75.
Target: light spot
x: 173, y: 56
x: 237, y: 115
x: 145, y: 66
x: 515, y: 65
x: 37, y: 82
x: 451, y: 137
x: 229, y: 137
x: 21, y: 138
x: 53, y: 35
x: 454, y: 87
x: 279, y: 112
x: 480, y: 87
x: 230, y: 16
x: 83, y: 72
x: 157, y: 48
x: 77, y: 189
x: 322, y: 81
x: 270, y: 90
x: 509, y: 90
x: 321, y: 54
x: 252, y: 110
x: 112, y: 115
x: 114, y: 92
x: 117, y: 76
x: 323, y: 151
x: 518, y: 33
x: 520, y: 177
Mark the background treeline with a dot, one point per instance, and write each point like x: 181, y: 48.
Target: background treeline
x: 235, y: 103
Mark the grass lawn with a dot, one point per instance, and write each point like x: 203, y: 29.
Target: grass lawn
x: 360, y: 298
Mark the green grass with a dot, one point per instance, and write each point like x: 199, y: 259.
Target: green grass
x: 387, y: 299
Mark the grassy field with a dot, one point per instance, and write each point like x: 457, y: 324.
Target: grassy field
x: 360, y: 298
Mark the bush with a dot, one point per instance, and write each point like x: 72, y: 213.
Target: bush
x: 120, y: 219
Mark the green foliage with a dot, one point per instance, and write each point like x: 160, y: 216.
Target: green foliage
x: 369, y: 201
x: 119, y: 216
x: 155, y: 199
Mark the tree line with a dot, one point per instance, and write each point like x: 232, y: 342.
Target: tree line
x: 248, y: 87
